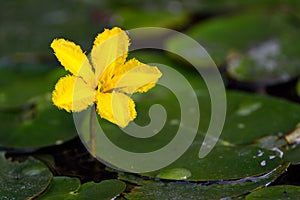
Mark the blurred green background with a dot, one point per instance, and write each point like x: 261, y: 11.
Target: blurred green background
x: 254, y: 43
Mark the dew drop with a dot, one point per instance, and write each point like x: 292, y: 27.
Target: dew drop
x: 174, y: 174
x: 272, y: 157
x: 260, y: 153
x: 263, y: 163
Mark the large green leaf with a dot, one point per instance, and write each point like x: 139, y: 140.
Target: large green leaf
x: 61, y: 187
x: 23, y: 180
x: 149, y: 189
x: 70, y: 188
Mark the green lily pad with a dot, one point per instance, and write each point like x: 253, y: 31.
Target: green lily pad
x: 107, y: 189
x: 278, y: 192
x: 61, y: 187
x: 70, y: 188
x: 40, y: 125
x: 23, y: 180
x: 149, y: 189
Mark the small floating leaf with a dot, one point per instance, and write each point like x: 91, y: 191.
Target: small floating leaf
x: 174, y: 173
x: 61, y: 187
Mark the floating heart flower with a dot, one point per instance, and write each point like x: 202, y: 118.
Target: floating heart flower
x: 105, y: 78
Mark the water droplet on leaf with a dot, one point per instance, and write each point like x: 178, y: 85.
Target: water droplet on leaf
x: 263, y: 163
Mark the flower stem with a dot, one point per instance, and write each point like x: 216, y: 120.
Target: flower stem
x: 93, y: 131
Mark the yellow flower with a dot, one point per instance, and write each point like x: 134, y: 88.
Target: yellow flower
x: 104, y: 78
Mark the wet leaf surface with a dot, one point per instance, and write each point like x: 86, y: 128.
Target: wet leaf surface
x: 23, y: 180
x: 233, y: 163
x: 150, y: 189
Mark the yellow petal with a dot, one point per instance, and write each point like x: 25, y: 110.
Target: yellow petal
x: 72, y: 94
x: 117, y: 108
x: 135, y: 76
x: 73, y: 59
x: 110, y: 49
